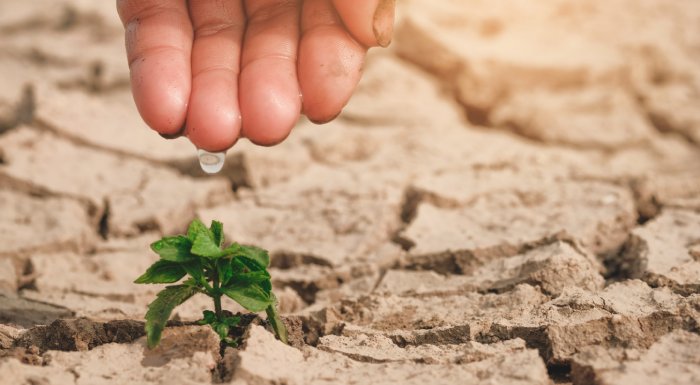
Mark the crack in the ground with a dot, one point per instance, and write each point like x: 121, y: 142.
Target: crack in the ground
x: 94, y: 82
x: 559, y: 374
x: 410, y: 201
x: 27, y: 276
x: 103, y: 222
x: 452, y: 261
x: 42, y: 124
x: 288, y: 260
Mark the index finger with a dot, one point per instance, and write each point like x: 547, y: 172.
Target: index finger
x: 158, y: 45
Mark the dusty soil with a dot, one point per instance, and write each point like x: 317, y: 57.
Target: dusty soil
x: 511, y: 197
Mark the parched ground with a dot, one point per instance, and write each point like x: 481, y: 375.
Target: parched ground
x: 511, y: 197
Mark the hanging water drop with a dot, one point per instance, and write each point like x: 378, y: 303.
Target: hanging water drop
x: 211, y: 162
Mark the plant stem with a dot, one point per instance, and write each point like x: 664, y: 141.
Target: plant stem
x: 217, y: 294
x: 207, y: 286
x: 217, y: 306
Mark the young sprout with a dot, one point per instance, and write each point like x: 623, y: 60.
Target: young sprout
x: 236, y: 271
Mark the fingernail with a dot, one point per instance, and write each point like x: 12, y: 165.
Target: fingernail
x: 174, y: 135
x: 383, y: 24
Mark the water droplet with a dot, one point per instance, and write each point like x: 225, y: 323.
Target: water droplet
x: 211, y: 162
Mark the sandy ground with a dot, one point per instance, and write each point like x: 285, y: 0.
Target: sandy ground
x: 511, y: 197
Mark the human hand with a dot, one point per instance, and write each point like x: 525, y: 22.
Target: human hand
x: 217, y: 70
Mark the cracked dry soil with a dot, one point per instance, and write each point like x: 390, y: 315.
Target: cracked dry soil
x: 511, y: 197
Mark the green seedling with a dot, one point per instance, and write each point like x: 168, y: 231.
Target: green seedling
x: 236, y: 271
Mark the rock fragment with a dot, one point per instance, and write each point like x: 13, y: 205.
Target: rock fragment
x: 672, y: 359
x: 679, y: 189
x: 64, y: 224
x: 473, y: 312
x: 24, y: 312
x: 630, y: 314
x: 8, y: 335
x: 80, y: 334
x: 377, y: 347
x: 663, y: 251
x: 265, y: 360
x: 469, y: 218
x: 186, y: 355
x: 552, y: 267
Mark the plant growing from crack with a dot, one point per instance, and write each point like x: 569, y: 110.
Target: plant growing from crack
x: 236, y: 271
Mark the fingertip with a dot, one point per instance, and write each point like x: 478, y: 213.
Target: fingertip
x: 269, y: 116
x: 271, y: 137
x: 322, y: 119
x: 219, y: 133
x: 270, y: 101
x: 213, y: 118
x: 158, y: 39
x: 161, y: 95
x: 370, y: 22
x: 330, y: 66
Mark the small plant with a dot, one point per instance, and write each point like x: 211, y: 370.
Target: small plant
x: 236, y: 271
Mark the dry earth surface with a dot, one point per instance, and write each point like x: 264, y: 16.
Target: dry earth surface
x: 511, y: 197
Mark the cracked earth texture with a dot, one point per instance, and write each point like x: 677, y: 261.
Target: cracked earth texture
x: 512, y: 196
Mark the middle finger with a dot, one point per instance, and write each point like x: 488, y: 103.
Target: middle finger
x: 269, y: 90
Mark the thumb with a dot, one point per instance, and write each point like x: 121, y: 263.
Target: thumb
x: 371, y: 22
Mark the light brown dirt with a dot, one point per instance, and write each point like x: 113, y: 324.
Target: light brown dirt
x: 512, y: 196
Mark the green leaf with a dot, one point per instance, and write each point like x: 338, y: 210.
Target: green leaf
x: 162, y: 272
x: 204, y: 246
x: 208, y: 317
x: 253, y: 257
x: 217, y: 229
x: 252, y: 297
x: 253, y: 277
x: 267, y: 286
x: 221, y: 329
x: 232, y: 321
x: 275, y: 321
x: 225, y: 268
x: 194, y: 269
x: 237, y: 265
x: 192, y: 283
x: 233, y: 250
x: 159, y: 310
x: 257, y: 255
x: 176, y: 249
x: 196, y: 227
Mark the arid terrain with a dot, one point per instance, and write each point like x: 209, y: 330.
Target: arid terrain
x: 512, y: 196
